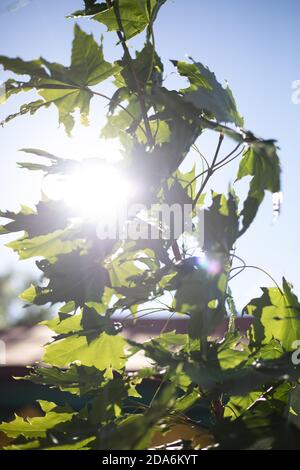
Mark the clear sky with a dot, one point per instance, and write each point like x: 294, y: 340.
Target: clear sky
x: 254, y: 45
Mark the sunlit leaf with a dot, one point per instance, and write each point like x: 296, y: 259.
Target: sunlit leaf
x: 48, y: 246
x: 276, y: 315
x: 134, y: 17
x: 37, y: 427
x: 206, y: 93
x: 261, y: 162
x: 77, y: 379
x: 66, y: 87
x: 104, y: 352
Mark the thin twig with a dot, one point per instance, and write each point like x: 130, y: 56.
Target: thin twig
x: 122, y: 39
x: 166, y: 324
x: 96, y: 93
x: 218, y: 166
x: 209, y: 171
x: 259, y: 269
x: 195, y: 147
x: 230, y: 154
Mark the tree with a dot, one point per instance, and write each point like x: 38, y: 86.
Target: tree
x: 246, y: 384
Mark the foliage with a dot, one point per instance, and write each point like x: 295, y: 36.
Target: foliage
x: 244, y: 383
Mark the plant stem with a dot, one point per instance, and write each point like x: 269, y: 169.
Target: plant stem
x: 209, y: 172
x: 259, y: 269
x: 122, y: 39
x: 230, y: 154
x: 96, y: 93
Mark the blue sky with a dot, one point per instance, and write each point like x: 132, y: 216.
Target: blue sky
x: 255, y: 46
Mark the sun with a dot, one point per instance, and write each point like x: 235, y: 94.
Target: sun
x: 98, y: 189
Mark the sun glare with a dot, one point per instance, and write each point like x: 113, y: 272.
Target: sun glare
x: 98, y: 189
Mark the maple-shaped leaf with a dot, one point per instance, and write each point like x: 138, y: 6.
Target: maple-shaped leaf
x: 78, y: 380
x: 260, y: 160
x: 37, y: 427
x: 49, y: 246
x: 207, y: 94
x: 221, y: 224
x: 129, y: 17
x: 276, y: 315
x: 74, y: 277
x: 66, y: 87
x: 47, y: 217
x: 103, y: 352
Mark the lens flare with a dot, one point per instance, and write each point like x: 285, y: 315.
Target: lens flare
x: 212, y: 266
x: 97, y: 191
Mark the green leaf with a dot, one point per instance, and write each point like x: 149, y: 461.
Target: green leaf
x: 104, y: 352
x: 242, y: 380
x: 84, y: 444
x: 196, y: 288
x: 49, y: 246
x: 264, y: 427
x: 248, y: 376
x: 92, y: 324
x: 124, y: 124
x: 122, y: 269
x: 232, y: 351
x: 108, y: 403
x: 187, y: 400
x: 133, y: 16
x: 261, y: 162
x: 187, y: 181
x: 136, y: 431
x: 36, y: 444
x: 278, y: 398
x: 29, y: 294
x: 172, y: 340
x: 160, y: 132
x: 88, y: 67
x: 66, y: 87
x: 193, y: 74
x: 64, y: 323
x: 276, y: 315
x: 239, y: 404
x: 221, y: 224
x: 37, y: 427
x: 174, y: 192
x: 74, y: 277
x: 206, y: 93
x: 47, y: 217
x: 184, y: 125
x: 145, y: 69
x: 78, y: 380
